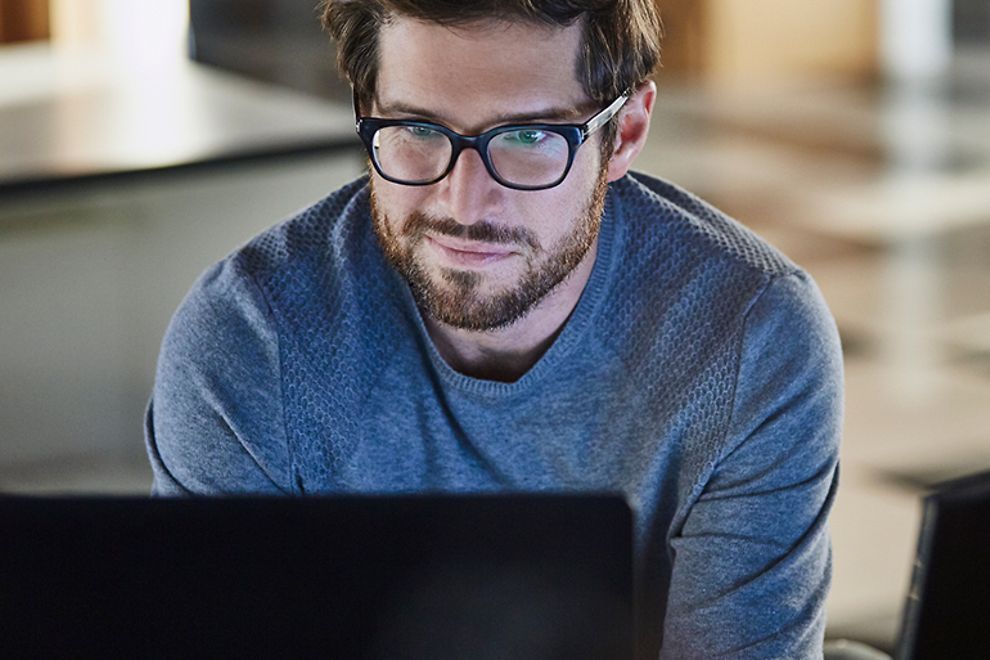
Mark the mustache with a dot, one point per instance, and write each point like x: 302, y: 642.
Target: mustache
x: 419, y: 223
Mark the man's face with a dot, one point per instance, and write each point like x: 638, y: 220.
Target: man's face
x: 477, y: 255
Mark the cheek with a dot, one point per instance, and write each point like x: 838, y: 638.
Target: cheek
x: 554, y: 213
x: 568, y: 202
x: 549, y: 216
x: 396, y: 201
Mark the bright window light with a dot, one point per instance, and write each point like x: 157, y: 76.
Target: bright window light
x: 146, y: 33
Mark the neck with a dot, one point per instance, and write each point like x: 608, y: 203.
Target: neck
x: 508, y: 353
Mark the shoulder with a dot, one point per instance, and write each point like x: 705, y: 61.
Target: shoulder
x: 791, y: 308
x: 789, y: 350
x: 659, y: 213
x: 691, y: 277
x: 240, y: 286
x: 216, y: 420
x: 232, y: 305
x: 308, y: 237
x: 699, y: 298
x: 711, y: 278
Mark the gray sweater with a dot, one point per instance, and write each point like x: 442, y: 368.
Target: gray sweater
x: 700, y: 375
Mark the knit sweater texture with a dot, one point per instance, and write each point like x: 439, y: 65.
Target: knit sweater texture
x: 699, y: 375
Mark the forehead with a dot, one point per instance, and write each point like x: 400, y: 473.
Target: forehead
x: 466, y: 74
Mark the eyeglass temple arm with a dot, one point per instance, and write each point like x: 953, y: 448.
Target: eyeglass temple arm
x: 605, y: 115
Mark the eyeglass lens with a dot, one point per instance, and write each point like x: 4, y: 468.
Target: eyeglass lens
x: 525, y: 157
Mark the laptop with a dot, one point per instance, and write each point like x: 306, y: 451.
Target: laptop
x: 947, y: 612
x: 507, y: 576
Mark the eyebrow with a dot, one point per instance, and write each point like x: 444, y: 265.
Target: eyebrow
x: 553, y: 113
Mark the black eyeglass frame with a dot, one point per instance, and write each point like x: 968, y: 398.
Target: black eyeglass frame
x: 574, y: 134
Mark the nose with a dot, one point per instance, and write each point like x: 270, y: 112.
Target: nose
x: 468, y: 191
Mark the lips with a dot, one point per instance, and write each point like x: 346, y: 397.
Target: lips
x: 468, y: 253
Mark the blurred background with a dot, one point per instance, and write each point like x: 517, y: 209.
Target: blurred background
x: 141, y: 141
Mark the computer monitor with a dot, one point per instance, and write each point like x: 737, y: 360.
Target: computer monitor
x: 947, y: 608
x: 522, y: 576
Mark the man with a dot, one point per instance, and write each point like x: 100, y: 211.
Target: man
x: 501, y: 305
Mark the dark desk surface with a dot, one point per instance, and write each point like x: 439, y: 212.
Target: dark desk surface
x: 76, y: 117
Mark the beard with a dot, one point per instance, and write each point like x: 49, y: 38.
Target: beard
x: 458, y: 298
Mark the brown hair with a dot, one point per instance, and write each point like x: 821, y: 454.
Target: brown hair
x: 620, y: 46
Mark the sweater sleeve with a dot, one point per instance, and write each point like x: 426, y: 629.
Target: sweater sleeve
x: 752, y: 562
x: 214, y: 424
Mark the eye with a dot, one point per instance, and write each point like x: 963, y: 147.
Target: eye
x: 525, y: 137
x: 421, y: 132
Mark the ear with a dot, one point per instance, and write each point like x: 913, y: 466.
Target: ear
x: 634, y: 127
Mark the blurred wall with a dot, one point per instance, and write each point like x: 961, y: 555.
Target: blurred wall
x: 278, y: 41
x: 23, y: 20
x: 140, y: 32
x: 971, y: 22
x: 720, y: 42
x: 750, y: 42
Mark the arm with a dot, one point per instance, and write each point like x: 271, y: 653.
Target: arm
x: 214, y: 423
x: 752, y: 562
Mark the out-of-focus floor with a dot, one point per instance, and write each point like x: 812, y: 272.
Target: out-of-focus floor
x: 883, y: 195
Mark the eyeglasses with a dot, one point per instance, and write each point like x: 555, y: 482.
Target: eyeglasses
x: 518, y: 156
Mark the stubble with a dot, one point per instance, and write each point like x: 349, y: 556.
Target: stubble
x: 457, y: 297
